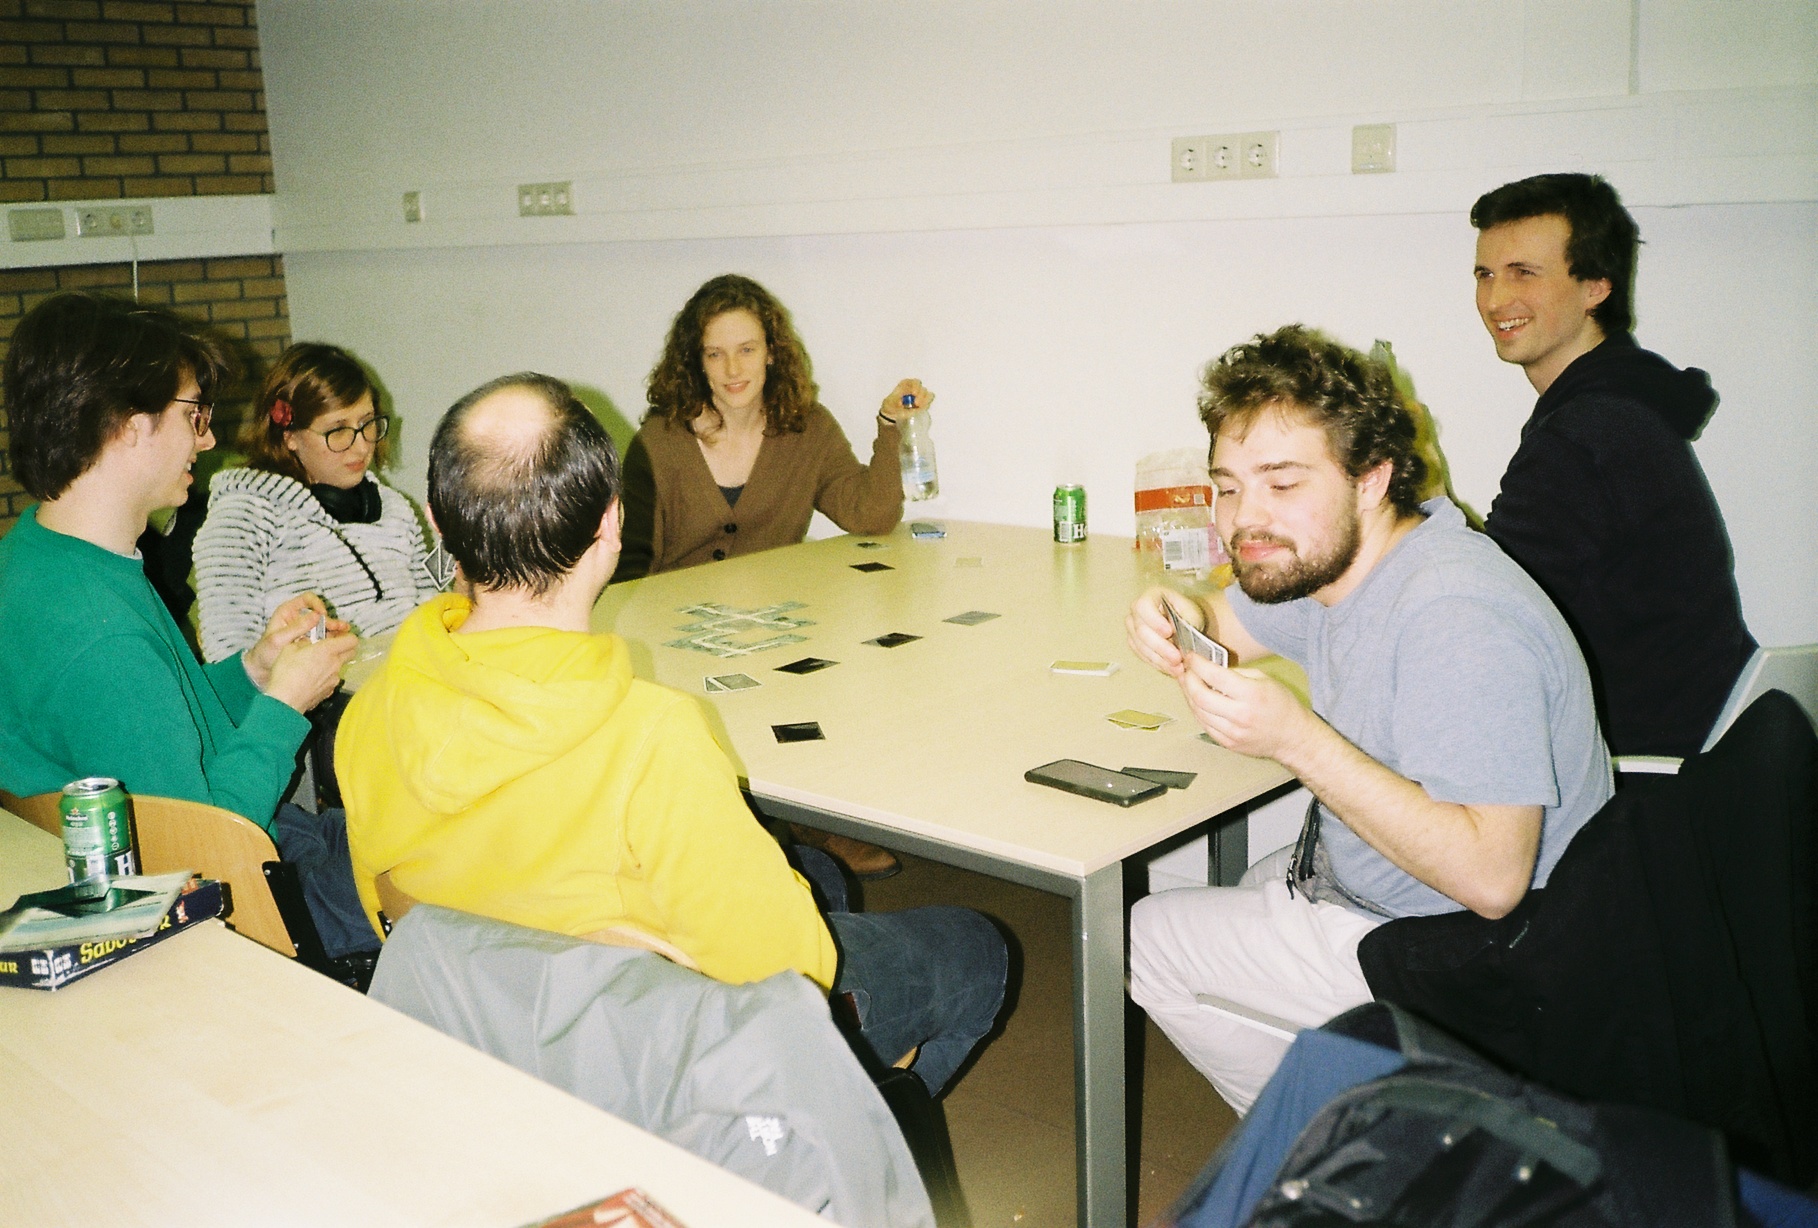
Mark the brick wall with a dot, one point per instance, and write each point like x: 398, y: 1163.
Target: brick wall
x: 110, y: 98
x: 103, y: 99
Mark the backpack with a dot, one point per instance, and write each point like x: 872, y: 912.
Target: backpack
x: 1450, y: 1140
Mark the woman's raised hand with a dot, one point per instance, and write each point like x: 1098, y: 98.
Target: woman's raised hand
x: 893, y: 407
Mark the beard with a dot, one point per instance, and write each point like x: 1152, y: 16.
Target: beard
x: 1274, y: 583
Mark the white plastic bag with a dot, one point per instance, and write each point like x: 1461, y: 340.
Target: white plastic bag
x: 1174, y: 528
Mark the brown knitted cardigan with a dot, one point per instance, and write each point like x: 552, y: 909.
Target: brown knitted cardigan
x: 675, y: 515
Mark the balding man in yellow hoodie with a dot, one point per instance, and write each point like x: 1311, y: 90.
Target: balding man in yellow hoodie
x: 504, y: 762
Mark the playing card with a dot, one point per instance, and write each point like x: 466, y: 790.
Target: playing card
x: 729, y: 682
x: 1191, y: 639
x: 1102, y: 669
x: 971, y: 618
x: 893, y: 640
x: 1161, y: 776
x: 799, y: 731
x: 807, y: 665
x: 1130, y: 718
x: 872, y: 567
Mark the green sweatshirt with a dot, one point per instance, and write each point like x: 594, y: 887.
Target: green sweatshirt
x: 96, y: 680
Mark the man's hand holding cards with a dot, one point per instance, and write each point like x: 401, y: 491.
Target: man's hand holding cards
x: 1190, y: 639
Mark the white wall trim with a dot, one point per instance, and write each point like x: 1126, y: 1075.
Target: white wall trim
x: 184, y: 228
x: 1706, y: 147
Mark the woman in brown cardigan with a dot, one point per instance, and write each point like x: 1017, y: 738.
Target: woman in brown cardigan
x: 735, y: 454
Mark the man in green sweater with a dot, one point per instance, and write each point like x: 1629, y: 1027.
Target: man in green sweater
x: 108, y: 404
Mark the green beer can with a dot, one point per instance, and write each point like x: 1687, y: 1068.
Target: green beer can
x: 1069, y: 514
x: 97, y: 833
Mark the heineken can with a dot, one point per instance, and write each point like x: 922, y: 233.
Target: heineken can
x: 97, y: 833
x: 1069, y: 514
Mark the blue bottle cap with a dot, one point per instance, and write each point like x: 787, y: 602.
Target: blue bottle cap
x: 908, y: 400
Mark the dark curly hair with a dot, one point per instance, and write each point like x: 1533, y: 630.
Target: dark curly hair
x: 313, y: 379
x: 678, y: 387
x: 1603, y: 240
x: 1352, y: 398
x: 80, y: 365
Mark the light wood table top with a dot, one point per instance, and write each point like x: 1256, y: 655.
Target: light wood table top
x: 933, y: 737
x: 210, y: 1081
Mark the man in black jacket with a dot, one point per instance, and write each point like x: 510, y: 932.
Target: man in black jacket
x: 1604, y: 502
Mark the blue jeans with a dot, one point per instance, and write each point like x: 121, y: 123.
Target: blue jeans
x: 928, y: 977
x: 317, y: 845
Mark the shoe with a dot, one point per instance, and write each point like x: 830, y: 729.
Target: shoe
x: 867, y: 862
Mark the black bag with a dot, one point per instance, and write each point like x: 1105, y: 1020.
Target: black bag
x: 1452, y: 1140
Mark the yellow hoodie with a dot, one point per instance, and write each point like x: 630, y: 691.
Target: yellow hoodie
x: 524, y: 774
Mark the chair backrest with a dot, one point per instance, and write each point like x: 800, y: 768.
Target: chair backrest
x: 176, y: 835
x: 1793, y: 669
x: 40, y: 810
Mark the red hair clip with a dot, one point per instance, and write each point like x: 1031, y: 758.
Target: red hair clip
x: 280, y: 412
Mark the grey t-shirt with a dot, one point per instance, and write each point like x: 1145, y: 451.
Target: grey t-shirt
x: 1450, y: 667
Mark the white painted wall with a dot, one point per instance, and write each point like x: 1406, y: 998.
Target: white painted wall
x: 977, y: 194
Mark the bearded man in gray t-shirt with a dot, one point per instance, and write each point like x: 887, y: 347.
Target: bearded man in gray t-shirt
x: 1452, y: 746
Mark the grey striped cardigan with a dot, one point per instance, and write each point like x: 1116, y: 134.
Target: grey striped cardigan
x: 267, y: 539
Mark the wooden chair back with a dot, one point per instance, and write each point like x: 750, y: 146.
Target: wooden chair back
x: 393, y: 902
x: 180, y: 835
x: 40, y: 810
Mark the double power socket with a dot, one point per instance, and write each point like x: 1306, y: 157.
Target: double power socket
x: 1237, y: 155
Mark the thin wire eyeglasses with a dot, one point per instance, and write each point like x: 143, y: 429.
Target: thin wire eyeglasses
x: 341, y: 438
x: 200, y: 416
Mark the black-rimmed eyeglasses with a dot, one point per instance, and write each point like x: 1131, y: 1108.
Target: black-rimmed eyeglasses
x: 341, y: 438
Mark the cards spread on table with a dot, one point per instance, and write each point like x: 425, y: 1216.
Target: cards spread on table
x: 1102, y: 669
x: 971, y: 618
x: 1189, y: 638
x: 1162, y: 776
x: 799, y: 731
x: 729, y: 682
x: 872, y: 567
x: 807, y: 665
x: 1130, y: 718
x: 894, y: 639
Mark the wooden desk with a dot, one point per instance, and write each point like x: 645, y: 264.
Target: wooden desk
x: 926, y: 744
x: 210, y: 1081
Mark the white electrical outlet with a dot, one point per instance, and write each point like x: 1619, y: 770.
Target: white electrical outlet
x: 114, y: 220
x: 545, y: 199
x: 1233, y: 155
x: 1188, y: 158
x: 1372, y: 149
x: 1221, y: 157
x: 413, y: 206
x: 1256, y: 154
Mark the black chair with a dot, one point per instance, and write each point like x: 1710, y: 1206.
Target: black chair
x: 1671, y: 961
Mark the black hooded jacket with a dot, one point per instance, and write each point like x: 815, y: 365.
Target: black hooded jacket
x: 1605, y: 505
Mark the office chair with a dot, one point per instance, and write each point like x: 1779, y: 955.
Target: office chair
x: 1792, y: 668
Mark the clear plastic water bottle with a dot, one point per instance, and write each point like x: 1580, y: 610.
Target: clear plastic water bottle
x: 921, y: 479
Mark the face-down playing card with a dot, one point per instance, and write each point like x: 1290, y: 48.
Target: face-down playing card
x: 807, y: 665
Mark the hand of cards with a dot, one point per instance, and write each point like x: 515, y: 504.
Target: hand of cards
x: 1189, y: 638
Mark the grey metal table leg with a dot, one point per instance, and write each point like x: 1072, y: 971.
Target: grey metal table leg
x: 1098, y: 1047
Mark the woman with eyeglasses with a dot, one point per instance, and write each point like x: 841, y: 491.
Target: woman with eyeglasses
x: 306, y: 513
